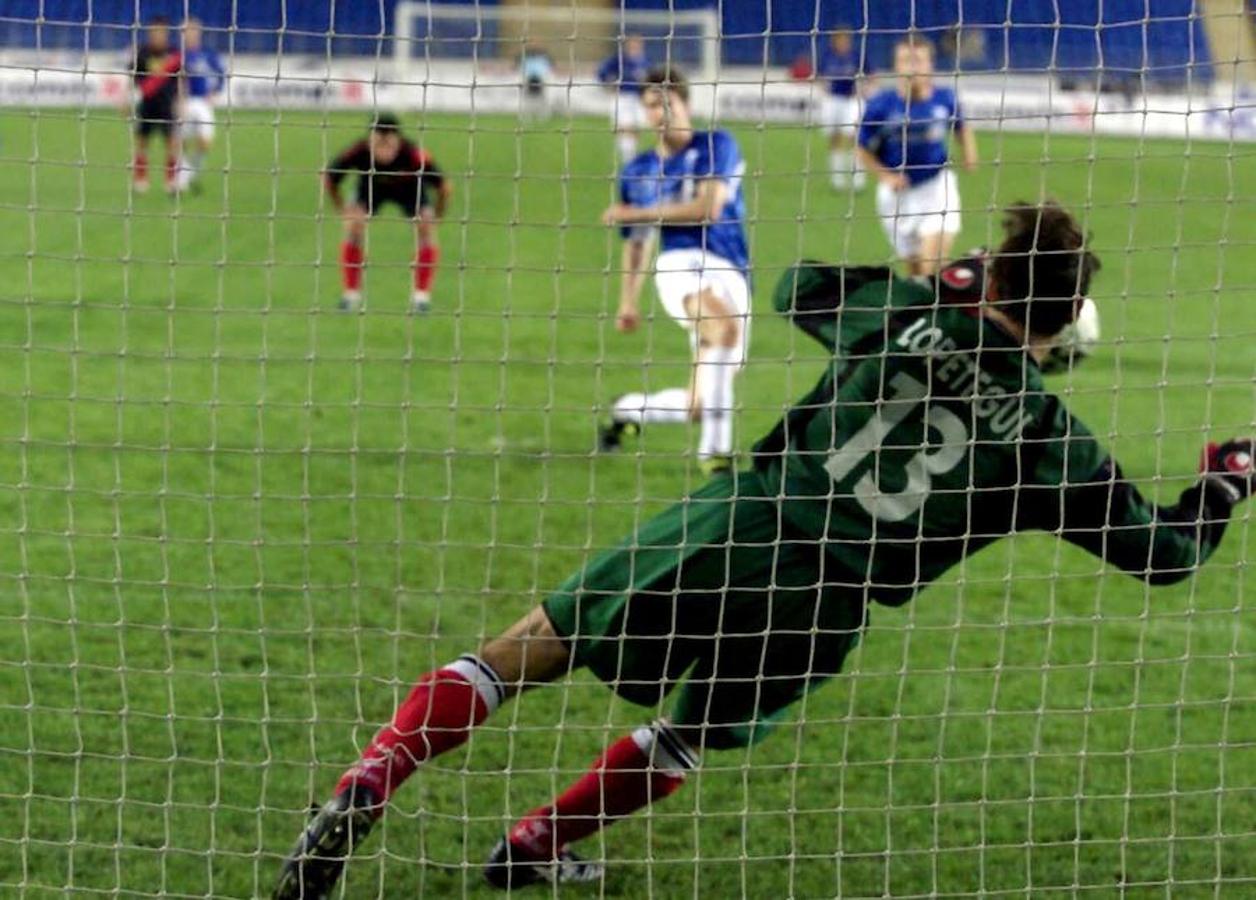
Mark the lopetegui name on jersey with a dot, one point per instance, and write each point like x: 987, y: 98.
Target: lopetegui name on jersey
x: 960, y: 373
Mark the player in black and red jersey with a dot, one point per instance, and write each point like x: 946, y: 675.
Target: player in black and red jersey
x: 155, y: 71
x: 390, y: 169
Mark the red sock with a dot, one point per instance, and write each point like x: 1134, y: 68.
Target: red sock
x: 438, y: 715
x: 140, y: 166
x: 620, y: 782
x: 172, y: 164
x: 425, y: 266
x: 352, y: 260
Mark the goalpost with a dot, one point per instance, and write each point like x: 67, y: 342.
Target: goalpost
x: 426, y: 33
x: 237, y: 523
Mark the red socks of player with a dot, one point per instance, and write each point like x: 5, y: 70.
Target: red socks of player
x: 634, y: 772
x: 352, y: 259
x: 445, y: 705
x: 139, y: 170
x: 438, y: 715
x: 425, y: 266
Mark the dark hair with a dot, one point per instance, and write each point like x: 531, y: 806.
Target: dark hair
x: 669, y: 78
x: 1042, y: 268
x: 158, y: 22
x: 386, y: 123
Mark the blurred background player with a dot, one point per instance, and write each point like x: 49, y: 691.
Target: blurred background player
x: 689, y: 187
x: 389, y: 169
x: 903, y: 141
x: 155, y: 71
x: 839, y: 69
x: 537, y: 69
x: 203, y: 80
x: 623, y: 74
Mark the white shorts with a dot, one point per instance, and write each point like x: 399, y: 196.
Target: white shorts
x: 838, y: 113
x: 682, y: 273
x: 627, y: 113
x: 931, y: 207
x: 198, y: 118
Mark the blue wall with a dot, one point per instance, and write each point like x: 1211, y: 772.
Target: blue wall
x: 250, y: 26
x: 1158, y: 36
x: 1121, y: 36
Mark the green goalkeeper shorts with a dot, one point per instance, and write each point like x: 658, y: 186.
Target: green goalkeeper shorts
x: 718, y: 592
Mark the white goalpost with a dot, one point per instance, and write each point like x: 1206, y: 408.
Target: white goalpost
x: 426, y: 34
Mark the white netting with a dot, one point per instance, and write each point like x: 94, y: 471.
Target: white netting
x: 237, y: 524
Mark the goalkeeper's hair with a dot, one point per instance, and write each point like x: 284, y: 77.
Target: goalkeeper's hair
x: 668, y: 78
x: 1042, y: 268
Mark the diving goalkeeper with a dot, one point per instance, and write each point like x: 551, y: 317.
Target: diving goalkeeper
x: 929, y: 436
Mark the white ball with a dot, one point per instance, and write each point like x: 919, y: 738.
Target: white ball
x: 1082, y: 337
x: 1077, y: 341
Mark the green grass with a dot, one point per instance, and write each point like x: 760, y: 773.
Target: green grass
x: 236, y: 525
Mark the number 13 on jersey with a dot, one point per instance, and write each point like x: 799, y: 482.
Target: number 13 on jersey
x: 932, y: 458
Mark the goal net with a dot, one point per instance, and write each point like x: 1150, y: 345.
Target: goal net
x: 266, y: 460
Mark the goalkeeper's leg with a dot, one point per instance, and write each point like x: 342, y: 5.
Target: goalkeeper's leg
x: 637, y: 770
x: 438, y: 715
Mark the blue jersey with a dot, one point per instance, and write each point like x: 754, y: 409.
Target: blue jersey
x: 649, y: 180
x: 911, y: 137
x: 839, y: 70
x: 204, y: 72
x: 639, y: 186
x: 628, y: 74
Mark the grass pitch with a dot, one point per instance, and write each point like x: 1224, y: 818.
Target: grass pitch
x: 236, y: 525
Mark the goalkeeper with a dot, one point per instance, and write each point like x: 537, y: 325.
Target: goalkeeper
x: 929, y: 436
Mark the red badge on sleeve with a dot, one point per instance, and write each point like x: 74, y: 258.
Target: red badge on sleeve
x: 958, y: 277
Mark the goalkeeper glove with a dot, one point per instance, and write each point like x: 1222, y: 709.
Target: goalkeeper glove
x: 1232, y: 466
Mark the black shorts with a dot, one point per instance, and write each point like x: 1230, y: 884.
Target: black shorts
x: 535, y: 87
x: 150, y: 117
x: 410, y: 199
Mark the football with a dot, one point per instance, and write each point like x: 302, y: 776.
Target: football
x: 1076, y: 342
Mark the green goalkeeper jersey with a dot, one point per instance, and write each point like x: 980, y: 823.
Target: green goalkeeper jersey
x: 931, y: 434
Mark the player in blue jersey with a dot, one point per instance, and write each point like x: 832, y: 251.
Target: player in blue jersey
x: 838, y: 70
x: 203, y: 80
x: 904, y: 138
x: 623, y: 74
x: 688, y: 188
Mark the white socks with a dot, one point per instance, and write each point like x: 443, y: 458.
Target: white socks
x: 839, y: 167
x: 487, y: 683
x: 670, y: 405
x: 189, y: 165
x: 717, y: 367
x: 845, y: 169
x: 627, y: 145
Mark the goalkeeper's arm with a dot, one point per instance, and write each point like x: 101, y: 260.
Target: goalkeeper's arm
x: 1108, y: 516
x: 811, y: 295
